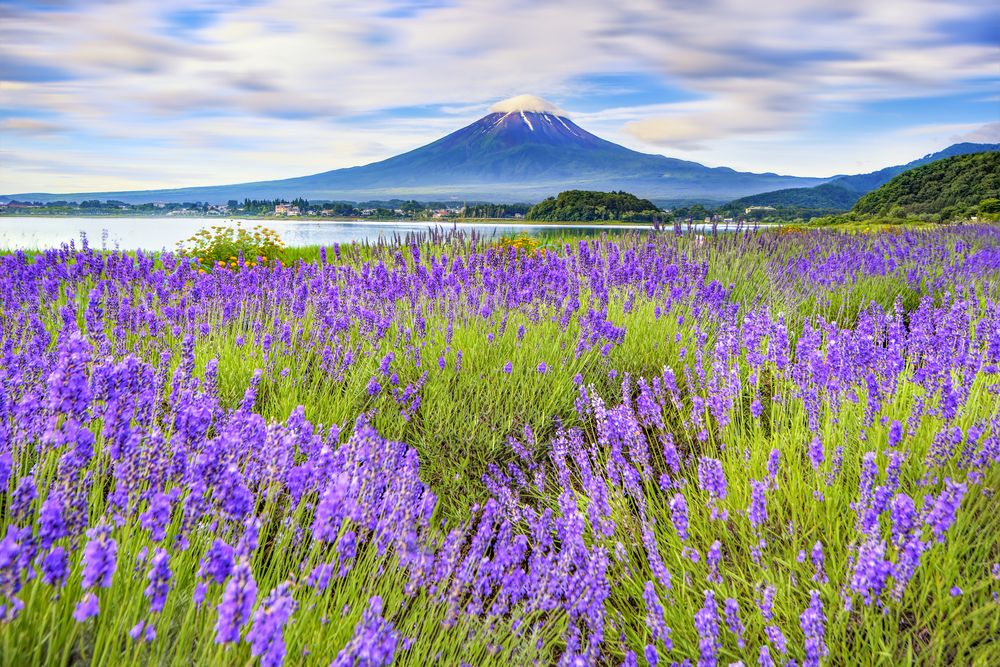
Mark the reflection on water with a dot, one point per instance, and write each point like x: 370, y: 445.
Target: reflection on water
x: 159, y: 233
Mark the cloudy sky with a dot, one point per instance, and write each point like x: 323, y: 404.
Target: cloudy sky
x: 109, y: 95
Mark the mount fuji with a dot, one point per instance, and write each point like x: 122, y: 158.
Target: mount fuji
x: 524, y: 149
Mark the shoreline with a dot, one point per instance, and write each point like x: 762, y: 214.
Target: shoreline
x: 479, y: 222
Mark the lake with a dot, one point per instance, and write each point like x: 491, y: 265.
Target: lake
x: 158, y: 233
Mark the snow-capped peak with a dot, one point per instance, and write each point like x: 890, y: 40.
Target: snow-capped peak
x: 526, y: 103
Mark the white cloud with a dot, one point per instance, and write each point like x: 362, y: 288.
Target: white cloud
x: 985, y: 134
x: 275, y: 88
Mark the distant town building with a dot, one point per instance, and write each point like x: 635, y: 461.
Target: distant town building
x: 286, y: 209
x: 751, y: 209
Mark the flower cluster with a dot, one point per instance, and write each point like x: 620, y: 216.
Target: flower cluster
x: 642, y: 445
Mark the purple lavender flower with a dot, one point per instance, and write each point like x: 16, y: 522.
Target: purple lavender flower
x: 819, y: 571
x: 51, y: 524
x: 100, y: 557
x: 159, y: 580
x: 895, y: 433
x: 654, y: 616
x: 12, y: 552
x: 142, y: 631
x: 732, y: 609
x: 714, y: 558
x: 543, y: 367
x: 266, y: 635
x: 679, y: 515
x: 238, y: 598
x: 507, y: 368
x: 157, y: 517
x: 871, y: 570
x: 384, y: 365
x: 943, y: 511
x: 21, y: 500
x: 777, y: 638
x: 816, y: 452
x: 904, y: 517
x: 706, y: 623
x: 321, y: 575
x: 757, y: 512
x: 6, y: 465
x: 232, y: 494
x: 765, y: 601
x: 217, y: 563
x: 813, y: 623
x: 88, y: 607
x: 867, y: 520
x: 55, y: 567
x: 374, y: 642
x: 660, y: 570
x: 713, y: 480
x: 774, y: 467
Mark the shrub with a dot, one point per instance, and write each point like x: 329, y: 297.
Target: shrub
x: 232, y: 247
x: 525, y: 244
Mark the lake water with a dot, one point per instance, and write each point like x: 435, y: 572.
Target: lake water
x: 158, y: 233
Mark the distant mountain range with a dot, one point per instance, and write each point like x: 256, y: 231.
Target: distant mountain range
x: 842, y: 192
x: 524, y: 150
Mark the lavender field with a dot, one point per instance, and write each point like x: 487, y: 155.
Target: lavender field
x: 756, y: 448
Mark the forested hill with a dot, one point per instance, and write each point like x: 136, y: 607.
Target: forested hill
x: 796, y: 202
x: 586, y: 205
x: 951, y: 188
x: 838, y: 195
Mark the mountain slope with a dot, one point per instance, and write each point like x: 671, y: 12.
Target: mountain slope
x: 827, y: 198
x: 841, y: 193
x: 950, y: 188
x: 524, y: 150
x: 867, y: 182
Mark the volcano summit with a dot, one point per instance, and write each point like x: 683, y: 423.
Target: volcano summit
x: 525, y: 149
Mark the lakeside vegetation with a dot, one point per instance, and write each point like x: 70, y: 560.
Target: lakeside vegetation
x: 591, y: 206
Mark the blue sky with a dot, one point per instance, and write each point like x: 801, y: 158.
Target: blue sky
x: 147, y: 94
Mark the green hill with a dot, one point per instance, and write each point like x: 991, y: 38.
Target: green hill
x: 951, y: 188
x: 838, y: 195
x: 587, y: 205
x: 792, y: 203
